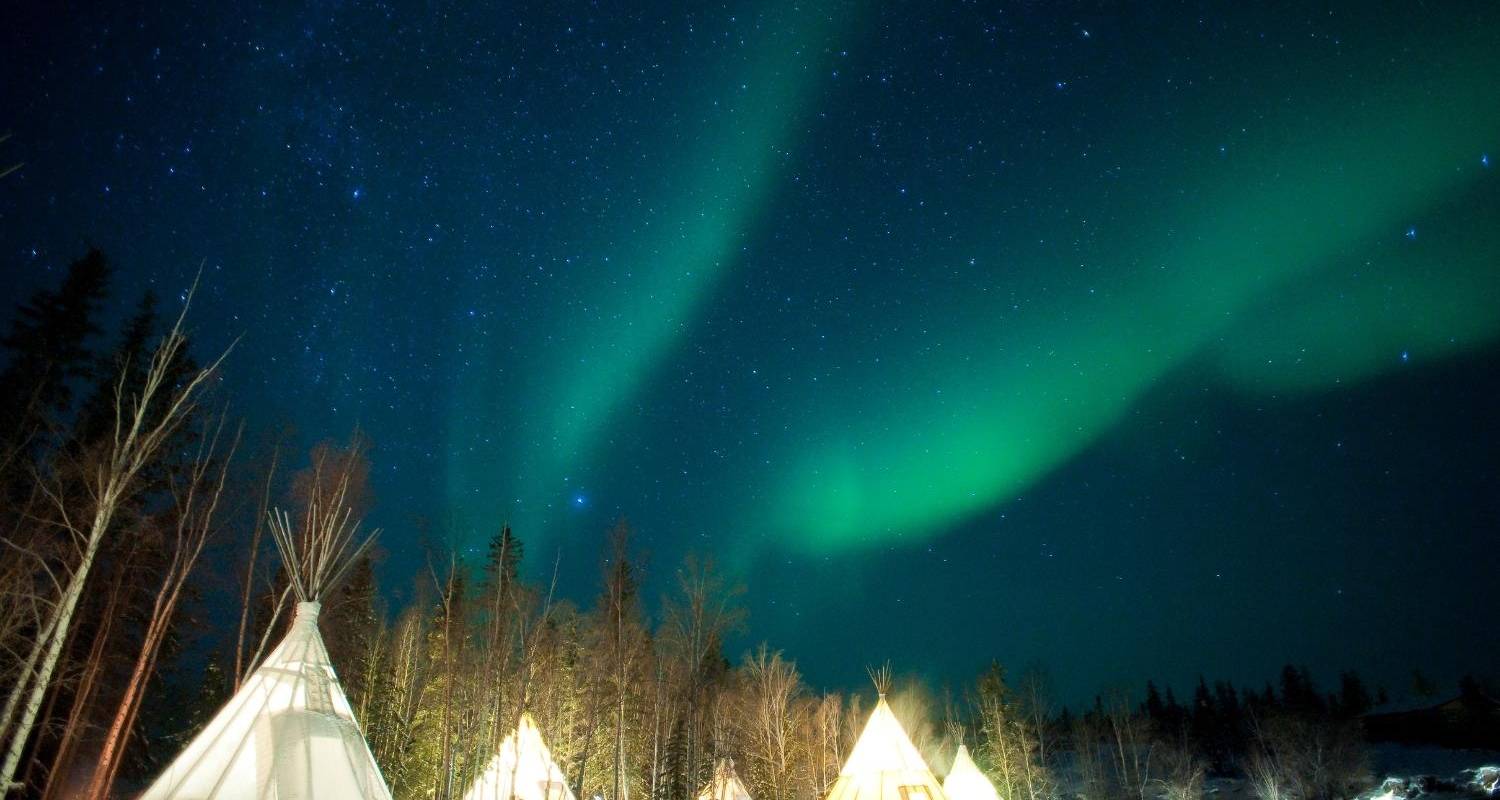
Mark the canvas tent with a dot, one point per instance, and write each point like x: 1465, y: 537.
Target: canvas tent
x: 966, y: 782
x: 523, y: 769
x: 288, y: 732
x: 885, y: 765
x: 725, y: 785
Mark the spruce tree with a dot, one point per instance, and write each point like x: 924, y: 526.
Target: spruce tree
x: 352, y: 623
x: 1353, y: 698
x: 502, y: 566
x: 48, y: 353
x: 125, y: 365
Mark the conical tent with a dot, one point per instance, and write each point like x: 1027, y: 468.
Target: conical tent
x: 523, y: 769
x: 287, y: 733
x: 725, y: 785
x: 885, y: 765
x: 966, y: 782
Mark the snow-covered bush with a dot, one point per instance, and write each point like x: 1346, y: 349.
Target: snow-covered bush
x: 1485, y: 780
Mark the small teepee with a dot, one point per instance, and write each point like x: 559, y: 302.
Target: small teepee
x: 884, y: 764
x: 725, y: 785
x: 523, y: 769
x: 965, y: 781
x: 289, y: 731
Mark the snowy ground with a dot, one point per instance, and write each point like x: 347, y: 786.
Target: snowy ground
x: 1434, y: 773
x: 1406, y: 773
x: 1403, y: 760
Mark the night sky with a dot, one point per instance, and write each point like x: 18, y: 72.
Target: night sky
x: 1134, y: 345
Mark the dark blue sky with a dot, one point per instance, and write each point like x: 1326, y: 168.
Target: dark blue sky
x: 1135, y: 345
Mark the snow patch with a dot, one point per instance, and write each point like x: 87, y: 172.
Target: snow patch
x: 1470, y: 783
x: 1485, y: 779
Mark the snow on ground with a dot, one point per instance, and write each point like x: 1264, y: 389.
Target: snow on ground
x: 1401, y: 773
x: 1433, y: 773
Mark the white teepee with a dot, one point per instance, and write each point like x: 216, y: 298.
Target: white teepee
x: 885, y: 765
x: 725, y: 785
x: 966, y: 782
x: 523, y: 769
x: 289, y: 731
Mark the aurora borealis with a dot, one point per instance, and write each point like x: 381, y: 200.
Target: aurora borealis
x: 1168, y: 333
x: 681, y: 242
x: 1269, y: 277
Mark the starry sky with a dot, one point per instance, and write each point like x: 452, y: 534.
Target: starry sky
x: 1130, y: 343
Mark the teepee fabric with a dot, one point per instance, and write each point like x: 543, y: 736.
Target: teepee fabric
x: 885, y: 765
x: 966, y: 782
x: 725, y: 785
x: 522, y: 770
x: 287, y: 734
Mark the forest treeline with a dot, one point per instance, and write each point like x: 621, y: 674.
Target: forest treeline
x: 138, y: 588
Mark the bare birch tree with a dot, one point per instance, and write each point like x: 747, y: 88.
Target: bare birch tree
x: 196, y: 505
x: 696, y: 620
x: 262, y: 513
x: 772, y: 685
x: 143, y: 423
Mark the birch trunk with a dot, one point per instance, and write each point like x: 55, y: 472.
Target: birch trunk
x: 21, y: 735
x: 135, y: 442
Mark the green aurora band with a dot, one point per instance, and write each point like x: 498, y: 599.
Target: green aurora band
x: 1279, y: 276
x: 709, y: 170
x: 681, y: 253
x: 1281, y: 269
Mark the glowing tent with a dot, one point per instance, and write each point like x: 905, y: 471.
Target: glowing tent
x: 725, y: 785
x: 289, y: 731
x: 966, y: 782
x: 523, y: 769
x: 885, y: 765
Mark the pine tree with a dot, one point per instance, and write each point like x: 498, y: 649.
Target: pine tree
x: 1204, y: 720
x: 704, y: 609
x: 1010, y: 743
x: 613, y: 752
x: 502, y: 565
x: 1353, y: 698
x: 145, y: 426
x: 498, y: 612
x: 213, y: 691
x: 140, y: 540
x: 44, y: 354
x: 1153, y: 707
x: 125, y: 368
x: 48, y: 346
x: 1298, y: 692
x: 1422, y: 686
x: 353, y: 625
x: 110, y: 625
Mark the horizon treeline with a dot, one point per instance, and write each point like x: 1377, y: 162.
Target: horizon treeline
x: 139, y: 588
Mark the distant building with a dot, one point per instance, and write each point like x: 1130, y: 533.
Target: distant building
x: 1472, y: 719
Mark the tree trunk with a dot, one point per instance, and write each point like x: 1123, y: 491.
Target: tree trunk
x: 119, y: 729
x: 83, y: 696
x: 64, y: 616
x: 240, y: 667
x: 136, y: 441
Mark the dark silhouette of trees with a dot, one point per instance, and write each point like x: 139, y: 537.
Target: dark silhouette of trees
x: 48, y: 351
